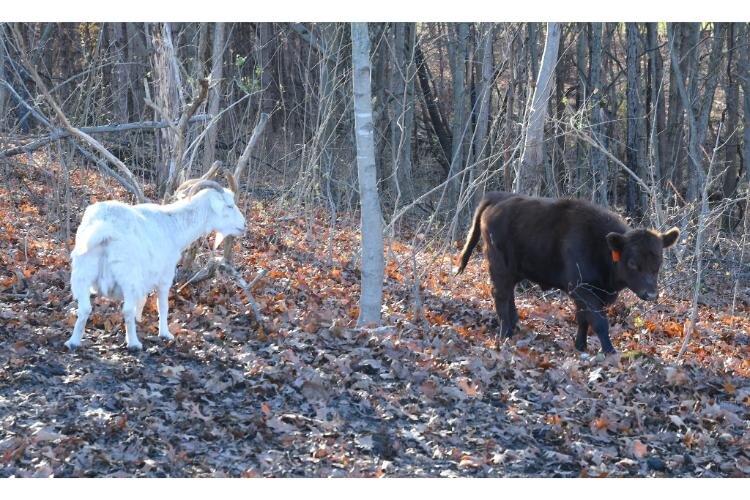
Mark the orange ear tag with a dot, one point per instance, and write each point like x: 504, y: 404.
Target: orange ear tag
x: 615, y: 256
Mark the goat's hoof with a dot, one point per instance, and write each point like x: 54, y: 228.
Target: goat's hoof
x: 72, y: 346
x: 166, y: 336
x: 135, y: 347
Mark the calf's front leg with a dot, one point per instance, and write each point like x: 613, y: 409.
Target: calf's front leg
x: 590, y: 313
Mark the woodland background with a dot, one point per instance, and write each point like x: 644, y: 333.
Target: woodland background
x: 648, y: 119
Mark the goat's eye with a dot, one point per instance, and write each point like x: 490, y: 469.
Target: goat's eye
x: 632, y: 264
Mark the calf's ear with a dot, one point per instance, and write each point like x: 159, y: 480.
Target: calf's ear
x: 670, y: 237
x: 616, y: 241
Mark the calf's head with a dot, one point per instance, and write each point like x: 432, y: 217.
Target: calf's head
x: 637, y: 255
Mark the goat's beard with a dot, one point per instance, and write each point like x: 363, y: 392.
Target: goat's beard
x: 219, y: 238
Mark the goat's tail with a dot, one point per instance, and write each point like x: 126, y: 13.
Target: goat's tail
x: 473, y: 237
x: 89, y: 237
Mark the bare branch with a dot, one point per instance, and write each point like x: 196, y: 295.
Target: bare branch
x: 245, y: 157
x: 73, y: 130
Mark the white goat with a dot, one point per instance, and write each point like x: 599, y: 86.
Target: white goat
x: 127, y: 251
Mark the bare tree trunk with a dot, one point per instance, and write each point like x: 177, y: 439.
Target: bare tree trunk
x: 599, y: 171
x: 380, y: 88
x: 3, y: 92
x: 198, y: 68
x: 481, y: 145
x: 458, y: 127
x: 214, y: 95
x: 166, y: 98
x: 675, y: 113
x: 636, y: 145
x: 430, y: 103
x: 580, y: 183
x: 532, y: 158
x: 402, y: 111
x: 556, y: 173
x: 743, y: 67
x: 656, y: 107
x: 121, y: 71
x: 136, y: 56
x: 731, y: 148
x: 371, y: 294
x: 263, y: 55
x: 533, y: 57
x: 330, y: 46
x: 697, y: 110
x: 694, y: 153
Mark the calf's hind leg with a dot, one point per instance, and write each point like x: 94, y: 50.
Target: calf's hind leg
x: 505, y: 305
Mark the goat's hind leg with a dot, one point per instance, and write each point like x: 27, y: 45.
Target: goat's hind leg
x: 129, y: 311
x: 162, y: 294
x: 80, y: 285
x: 84, y: 309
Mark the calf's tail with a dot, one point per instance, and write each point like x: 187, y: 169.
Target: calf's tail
x: 473, y: 236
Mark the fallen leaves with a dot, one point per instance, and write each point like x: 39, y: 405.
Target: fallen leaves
x: 316, y: 396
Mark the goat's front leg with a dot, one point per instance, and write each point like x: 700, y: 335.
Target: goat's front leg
x: 162, y: 293
x: 129, y: 311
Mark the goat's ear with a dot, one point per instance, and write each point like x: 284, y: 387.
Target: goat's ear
x: 217, y: 204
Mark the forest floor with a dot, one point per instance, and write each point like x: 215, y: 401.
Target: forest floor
x: 312, y: 395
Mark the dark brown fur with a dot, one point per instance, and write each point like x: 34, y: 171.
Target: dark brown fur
x: 566, y: 244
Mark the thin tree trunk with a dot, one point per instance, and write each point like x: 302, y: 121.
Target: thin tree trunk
x: 3, y: 92
x: 599, y: 171
x: 214, y: 95
x: 533, y: 57
x: 402, y: 111
x: 556, y: 169
x: 694, y: 153
x: 264, y: 54
x: 136, y: 56
x: 580, y: 183
x: 532, y: 158
x: 481, y: 145
x: 731, y: 148
x: 458, y: 126
x: 430, y: 103
x: 636, y: 146
x: 121, y: 72
x: 743, y: 69
x: 656, y: 111
x: 674, y: 137
x: 371, y: 294
x: 199, y: 56
x: 166, y: 98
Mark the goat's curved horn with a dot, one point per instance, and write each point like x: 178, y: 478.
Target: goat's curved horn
x: 205, y: 184
x: 212, y: 171
x: 231, y: 181
x: 182, y: 188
